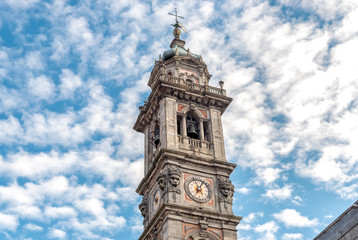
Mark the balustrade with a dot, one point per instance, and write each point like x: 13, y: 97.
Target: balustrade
x: 194, y: 142
x: 194, y: 86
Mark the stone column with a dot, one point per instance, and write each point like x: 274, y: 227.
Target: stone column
x: 184, y: 126
x: 201, y: 129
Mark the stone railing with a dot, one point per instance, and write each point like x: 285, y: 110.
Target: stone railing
x: 194, y: 142
x: 194, y: 86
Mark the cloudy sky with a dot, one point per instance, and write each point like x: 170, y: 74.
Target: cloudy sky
x: 73, y: 73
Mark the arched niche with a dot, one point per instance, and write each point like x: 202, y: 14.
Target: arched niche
x: 201, y: 235
x: 192, y: 125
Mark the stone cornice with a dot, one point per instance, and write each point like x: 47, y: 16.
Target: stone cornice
x: 168, y: 210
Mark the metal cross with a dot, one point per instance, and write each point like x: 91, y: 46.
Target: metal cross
x: 176, y: 16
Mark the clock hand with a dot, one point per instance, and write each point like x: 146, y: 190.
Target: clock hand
x: 198, y: 187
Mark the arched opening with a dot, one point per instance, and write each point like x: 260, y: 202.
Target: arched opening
x: 192, y: 125
x: 201, y: 235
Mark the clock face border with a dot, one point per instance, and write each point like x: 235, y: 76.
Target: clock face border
x: 204, y: 181
x: 156, y: 200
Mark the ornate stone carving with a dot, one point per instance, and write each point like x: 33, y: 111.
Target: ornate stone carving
x: 169, y: 180
x: 162, y: 179
x: 143, y: 207
x: 174, y: 175
x: 226, y: 189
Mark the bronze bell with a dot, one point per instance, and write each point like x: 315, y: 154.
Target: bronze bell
x: 192, y: 133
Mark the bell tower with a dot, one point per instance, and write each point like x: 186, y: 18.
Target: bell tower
x: 187, y: 194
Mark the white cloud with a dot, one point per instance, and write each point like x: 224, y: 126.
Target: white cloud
x: 267, y: 230
x: 243, y: 190
x: 8, y: 222
x: 92, y: 206
x: 60, y: 212
x: 10, y: 99
x: 21, y: 3
x: 280, y: 193
x: 297, y: 200
x: 107, y: 61
x: 292, y: 236
x: 268, y: 175
x: 127, y: 171
x: 292, y: 218
x: 25, y: 210
x: 127, y: 194
x: 80, y: 33
x: 33, y: 227
x: 11, y: 130
x: 69, y: 83
x: 34, y: 60
x: 21, y: 164
x: 248, y: 221
x: 57, y: 233
x: 54, y: 128
x: 349, y: 192
x: 301, y: 77
x: 41, y: 87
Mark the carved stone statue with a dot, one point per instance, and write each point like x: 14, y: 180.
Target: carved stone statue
x: 169, y: 180
x: 143, y: 207
x: 226, y: 189
x: 174, y: 175
x: 162, y: 179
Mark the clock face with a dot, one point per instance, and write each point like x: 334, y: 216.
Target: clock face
x: 156, y: 200
x: 198, y: 189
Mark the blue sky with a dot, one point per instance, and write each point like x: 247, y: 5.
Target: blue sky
x: 73, y: 74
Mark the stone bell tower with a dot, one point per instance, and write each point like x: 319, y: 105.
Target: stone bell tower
x: 187, y: 194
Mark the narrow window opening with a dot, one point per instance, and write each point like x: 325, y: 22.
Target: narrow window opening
x: 206, y: 131
x: 156, y: 136
x: 179, y: 125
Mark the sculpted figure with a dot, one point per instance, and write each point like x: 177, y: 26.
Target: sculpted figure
x: 161, y: 179
x: 226, y: 191
x: 143, y: 207
x: 174, y: 175
x: 169, y: 180
x: 174, y: 179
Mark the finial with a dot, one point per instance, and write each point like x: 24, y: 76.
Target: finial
x: 221, y: 83
x: 177, y: 25
x: 160, y: 57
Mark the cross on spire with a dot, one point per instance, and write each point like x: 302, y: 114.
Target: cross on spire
x: 177, y: 24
